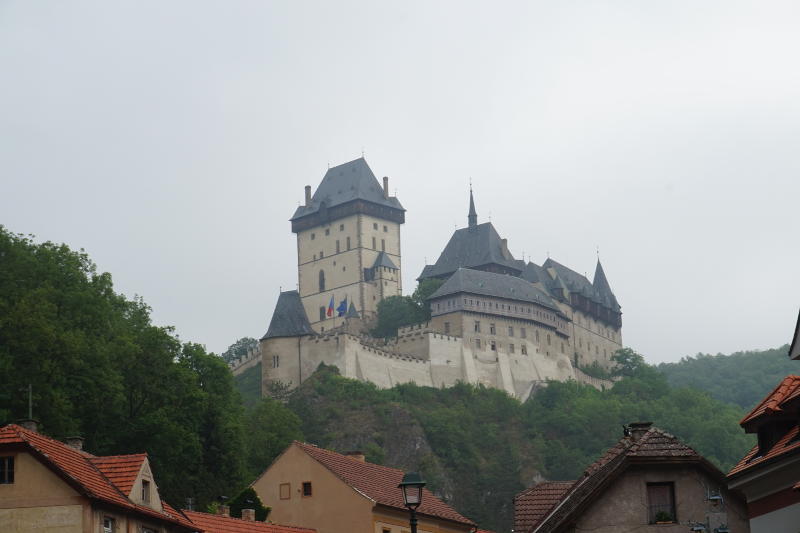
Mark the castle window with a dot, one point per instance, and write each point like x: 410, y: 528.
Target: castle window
x: 492, y: 329
x: 327, y: 231
x: 478, y: 343
x: 348, y: 243
x: 312, y: 236
x: 596, y: 350
x: 337, y: 246
x: 548, y: 340
x: 315, y: 257
x: 322, y: 312
x: 510, y: 348
x: 321, y: 254
x: 321, y: 280
x: 276, y: 361
x: 344, y: 268
x: 385, y: 229
x: 477, y: 326
x: 562, y: 347
x: 383, y: 245
x: 522, y: 333
x: 374, y: 225
x: 373, y: 244
x: 536, y: 333
x: 510, y: 331
x: 447, y: 328
x: 493, y: 346
x: 341, y: 227
x: 524, y: 348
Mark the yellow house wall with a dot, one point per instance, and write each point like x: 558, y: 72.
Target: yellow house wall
x: 334, y: 507
x: 39, y: 500
x: 386, y: 519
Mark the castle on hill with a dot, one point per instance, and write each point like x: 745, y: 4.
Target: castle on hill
x: 495, y: 320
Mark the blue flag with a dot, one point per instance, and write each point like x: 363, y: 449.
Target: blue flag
x: 342, y: 309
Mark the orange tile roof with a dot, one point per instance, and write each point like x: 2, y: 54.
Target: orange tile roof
x: 121, y: 470
x: 213, y: 523
x: 532, y: 504
x: 786, y: 391
x: 379, y: 483
x: 79, y: 469
x: 789, y: 443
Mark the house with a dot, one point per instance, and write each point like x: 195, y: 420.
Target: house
x: 769, y: 475
x: 222, y: 523
x: 334, y: 493
x: 648, y: 481
x: 47, y: 485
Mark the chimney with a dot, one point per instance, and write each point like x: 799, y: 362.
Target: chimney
x: 638, y: 429
x: 357, y: 456
x: 386, y: 186
x: 308, y: 195
x: 249, y: 515
x: 29, y: 423
x: 224, y: 510
x: 75, y: 442
x: 504, y: 244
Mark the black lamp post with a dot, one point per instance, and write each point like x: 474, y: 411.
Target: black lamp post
x: 412, y: 495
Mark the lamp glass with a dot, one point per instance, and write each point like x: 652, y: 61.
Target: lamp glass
x: 412, y: 490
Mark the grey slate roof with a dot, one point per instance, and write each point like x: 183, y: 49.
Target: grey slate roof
x: 345, y: 183
x: 603, y: 289
x: 383, y: 260
x: 289, y: 318
x: 577, y: 283
x: 472, y: 247
x: 490, y: 284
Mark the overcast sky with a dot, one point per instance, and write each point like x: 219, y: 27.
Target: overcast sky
x: 172, y: 140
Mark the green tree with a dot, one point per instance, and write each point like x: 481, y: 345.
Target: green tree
x: 628, y: 362
x: 248, y: 499
x: 271, y: 427
x: 239, y: 348
x: 398, y: 311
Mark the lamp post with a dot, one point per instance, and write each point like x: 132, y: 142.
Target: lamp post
x: 412, y: 495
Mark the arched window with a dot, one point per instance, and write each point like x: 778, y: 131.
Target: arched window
x: 321, y: 280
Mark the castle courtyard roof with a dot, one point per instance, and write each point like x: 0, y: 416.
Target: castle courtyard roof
x: 346, y: 183
x: 479, y: 282
x: 289, y: 318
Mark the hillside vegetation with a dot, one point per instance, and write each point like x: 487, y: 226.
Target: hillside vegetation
x: 742, y: 378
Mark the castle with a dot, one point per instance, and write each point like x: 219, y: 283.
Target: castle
x: 495, y: 320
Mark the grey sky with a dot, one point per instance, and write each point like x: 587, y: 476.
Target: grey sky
x: 172, y: 141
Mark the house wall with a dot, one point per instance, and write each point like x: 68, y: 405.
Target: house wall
x: 772, y: 503
x: 333, y: 507
x: 386, y: 519
x: 39, y: 500
x: 624, y: 506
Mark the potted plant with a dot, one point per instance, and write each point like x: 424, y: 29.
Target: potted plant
x: 664, y: 517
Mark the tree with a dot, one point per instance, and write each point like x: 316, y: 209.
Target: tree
x: 271, y: 427
x: 628, y: 362
x: 398, y: 311
x: 238, y: 349
x: 248, y: 499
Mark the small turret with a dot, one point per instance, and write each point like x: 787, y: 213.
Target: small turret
x: 472, y: 217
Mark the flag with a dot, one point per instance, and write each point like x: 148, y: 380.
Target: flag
x: 342, y: 309
x: 330, y: 308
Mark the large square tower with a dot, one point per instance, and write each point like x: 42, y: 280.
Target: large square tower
x: 348, y: 245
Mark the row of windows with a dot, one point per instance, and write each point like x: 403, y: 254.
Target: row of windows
x: 502, y: 307
x: 492, y: 345
x: 321, y: 254
x: 285, y: 490
x: 341, y: 228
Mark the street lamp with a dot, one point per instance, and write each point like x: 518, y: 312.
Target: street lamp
x: 412, y: 495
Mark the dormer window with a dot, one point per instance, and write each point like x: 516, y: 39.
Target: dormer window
x: 145, y: 491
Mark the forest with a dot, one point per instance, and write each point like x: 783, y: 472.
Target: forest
x: 100, y: 368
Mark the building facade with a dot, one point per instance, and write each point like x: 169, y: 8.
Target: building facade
x: 495, y: 320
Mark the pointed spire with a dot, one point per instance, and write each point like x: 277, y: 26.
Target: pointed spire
x: 600, y: 281
x: 472, y: 217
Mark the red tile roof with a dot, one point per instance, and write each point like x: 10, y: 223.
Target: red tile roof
x: 653, y: 445
x: 532, y: 504
x: 80, y: 470
x: 212, y: 523
x: 786, y: 391
x: 789, y: 443
x: 121, y: 470
x: 379, y: 483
